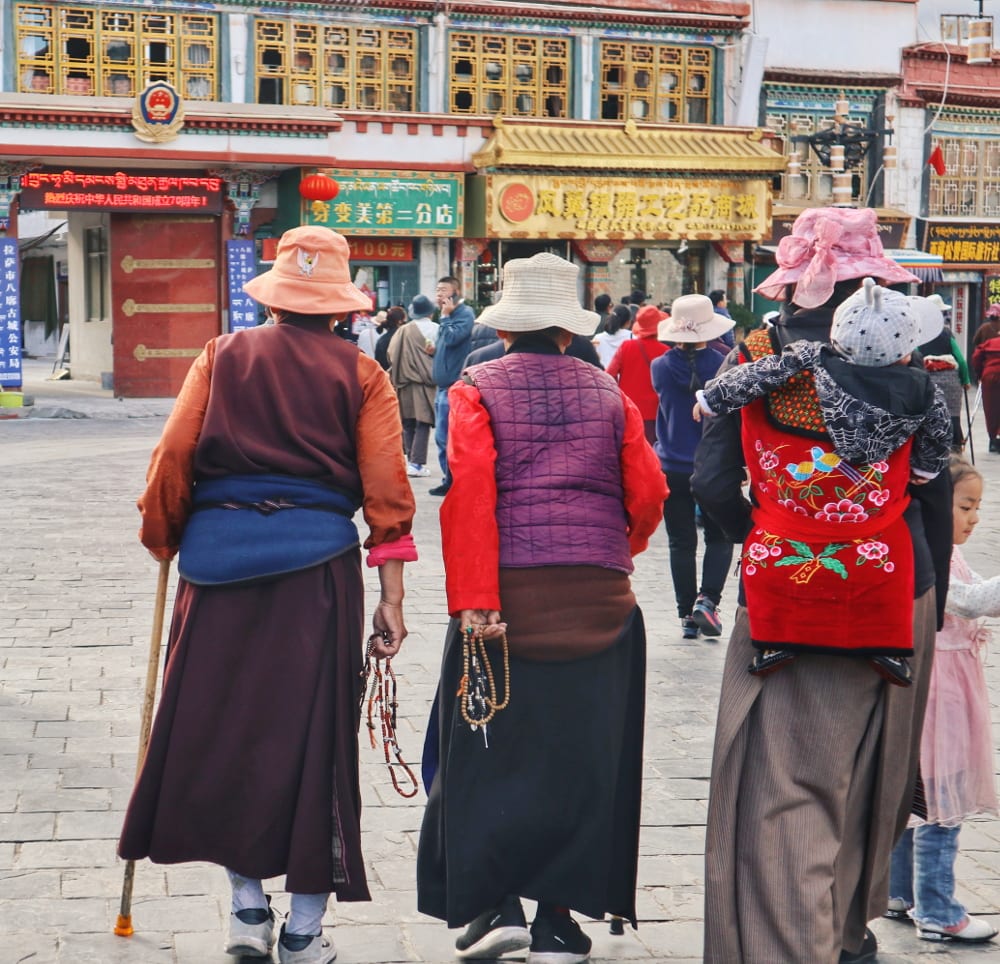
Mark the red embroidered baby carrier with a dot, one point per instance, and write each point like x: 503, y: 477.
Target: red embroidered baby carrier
x: 828, y: 565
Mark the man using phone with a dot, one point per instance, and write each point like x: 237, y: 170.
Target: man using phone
x: 453, y: 341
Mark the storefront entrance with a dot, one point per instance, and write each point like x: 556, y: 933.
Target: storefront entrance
x: 165, y: 291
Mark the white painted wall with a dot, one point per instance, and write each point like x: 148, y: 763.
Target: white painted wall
x: 836, y: 35
x: 90, y: 351
x: 905, y: 189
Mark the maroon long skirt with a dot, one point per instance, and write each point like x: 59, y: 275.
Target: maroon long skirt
x: 253, y: 757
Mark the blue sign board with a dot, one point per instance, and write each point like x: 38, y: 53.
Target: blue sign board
x: 10, y: 314
x: 240, y: 268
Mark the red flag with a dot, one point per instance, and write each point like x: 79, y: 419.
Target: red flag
x: 936, y: 160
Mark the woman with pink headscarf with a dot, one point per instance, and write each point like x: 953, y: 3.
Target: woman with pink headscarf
x: 814, y: 765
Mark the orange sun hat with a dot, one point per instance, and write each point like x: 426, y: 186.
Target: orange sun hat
x: 311, y: 275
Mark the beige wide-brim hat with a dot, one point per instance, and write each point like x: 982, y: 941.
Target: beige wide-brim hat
x: 540, y: 292
x: 311, y: 275
x: 693, y: 318
x: 939, y: 302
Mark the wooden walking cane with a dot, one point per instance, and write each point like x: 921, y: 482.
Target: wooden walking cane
x: 969, y: 416
x: 123, y: 926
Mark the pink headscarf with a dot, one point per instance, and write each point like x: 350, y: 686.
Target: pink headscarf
x: 828, y: 245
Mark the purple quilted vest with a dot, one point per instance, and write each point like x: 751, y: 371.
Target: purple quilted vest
x: 558, y: 424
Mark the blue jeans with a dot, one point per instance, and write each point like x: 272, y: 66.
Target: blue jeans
x: 923, y: 874
x: 441, y: 430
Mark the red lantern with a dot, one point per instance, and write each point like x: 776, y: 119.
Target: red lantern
x: 318, y: 187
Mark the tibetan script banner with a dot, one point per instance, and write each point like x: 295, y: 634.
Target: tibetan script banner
x: 395, y: 203
x: 87, y: 190
x: 706, y: 209
x: 10, y: 314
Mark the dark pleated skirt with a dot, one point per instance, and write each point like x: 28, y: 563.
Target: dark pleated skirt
x: 550, y: 810
x: 253, y: 757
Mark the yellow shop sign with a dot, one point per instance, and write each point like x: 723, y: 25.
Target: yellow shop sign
x: 705, y: 209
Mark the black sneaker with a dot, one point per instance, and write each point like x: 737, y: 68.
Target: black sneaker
x: 557, y: 939
x: 895, y: 669
x: 869, y: 948
x: 768, y: 661
x: 441, y: 489
x: 495, y: 932
x: 689, y: 628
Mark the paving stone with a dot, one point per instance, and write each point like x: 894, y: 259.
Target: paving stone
x: 18, y: 827
x: 75, y: 617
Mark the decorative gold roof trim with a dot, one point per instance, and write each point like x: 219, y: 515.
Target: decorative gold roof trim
x: 673, y: 149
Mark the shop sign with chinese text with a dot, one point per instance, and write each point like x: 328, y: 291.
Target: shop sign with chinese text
x: 86, y: 190
x: 707, y: 209
x: 10, y: 314
x: 241, y: 266
x: 380, y: 249
x: 963, y: 243
x: 393, y: 203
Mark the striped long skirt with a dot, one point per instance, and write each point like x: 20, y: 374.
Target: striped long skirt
x: 812, y: 779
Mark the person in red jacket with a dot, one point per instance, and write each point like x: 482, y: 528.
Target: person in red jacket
x: 986, y: 365
x: 630, y: 366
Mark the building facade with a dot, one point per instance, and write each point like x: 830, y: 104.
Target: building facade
x: 164, y: 149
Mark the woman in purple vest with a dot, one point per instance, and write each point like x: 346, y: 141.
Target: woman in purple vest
x: 555, y: 489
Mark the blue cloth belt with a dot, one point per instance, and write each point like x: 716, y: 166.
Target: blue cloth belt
x: 245, y: 528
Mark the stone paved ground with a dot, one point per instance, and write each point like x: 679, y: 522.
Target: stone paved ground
x: 76, y: 596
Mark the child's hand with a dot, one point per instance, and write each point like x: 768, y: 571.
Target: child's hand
x: 698, y: 412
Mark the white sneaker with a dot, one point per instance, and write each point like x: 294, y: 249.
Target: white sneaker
x: 319, y: 950
x: 417, y: 471
x: 969, y: 930
x: 251, y: 937
x: 898, y: 909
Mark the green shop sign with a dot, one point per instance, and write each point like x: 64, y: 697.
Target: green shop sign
x: 396, y: 203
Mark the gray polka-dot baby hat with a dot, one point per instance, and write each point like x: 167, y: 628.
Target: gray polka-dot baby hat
x: 875, y: 326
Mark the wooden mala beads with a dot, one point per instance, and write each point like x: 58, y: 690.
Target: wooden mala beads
x: 477, y: 692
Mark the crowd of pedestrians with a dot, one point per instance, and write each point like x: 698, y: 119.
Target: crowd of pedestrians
x: 823, y: 450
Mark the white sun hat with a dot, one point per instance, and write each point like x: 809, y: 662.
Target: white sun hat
x: 693, y: 318
x: 540, y: 292
x: 939, y: 302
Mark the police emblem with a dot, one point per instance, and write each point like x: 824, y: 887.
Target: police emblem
x: 158, y: 113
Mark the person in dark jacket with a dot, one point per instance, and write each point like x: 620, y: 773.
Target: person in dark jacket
x: 814, y: 766
x: 602, y: 305
x: 676, y: 376
x: 482, y: 336
x: 394, y: 317
x: 453, y: 344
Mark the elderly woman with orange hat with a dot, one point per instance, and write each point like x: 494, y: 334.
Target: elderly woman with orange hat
x: 814, y: 764
x: 278, y: 436
x: 555, y: 489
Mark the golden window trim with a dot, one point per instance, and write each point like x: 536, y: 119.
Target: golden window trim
x: 519, y: 76
x: 110, y: 53
x: 339, y: 66
x: 655, y: 82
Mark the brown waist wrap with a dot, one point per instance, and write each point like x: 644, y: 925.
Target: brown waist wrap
x: 558, y: 613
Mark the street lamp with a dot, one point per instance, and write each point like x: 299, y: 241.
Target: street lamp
x: 842, y: 147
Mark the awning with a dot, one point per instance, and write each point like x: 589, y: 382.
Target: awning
x: 693, y: 149
x: 927, y: 267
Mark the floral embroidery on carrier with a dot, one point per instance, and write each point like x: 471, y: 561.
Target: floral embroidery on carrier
x: 825, y: 531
